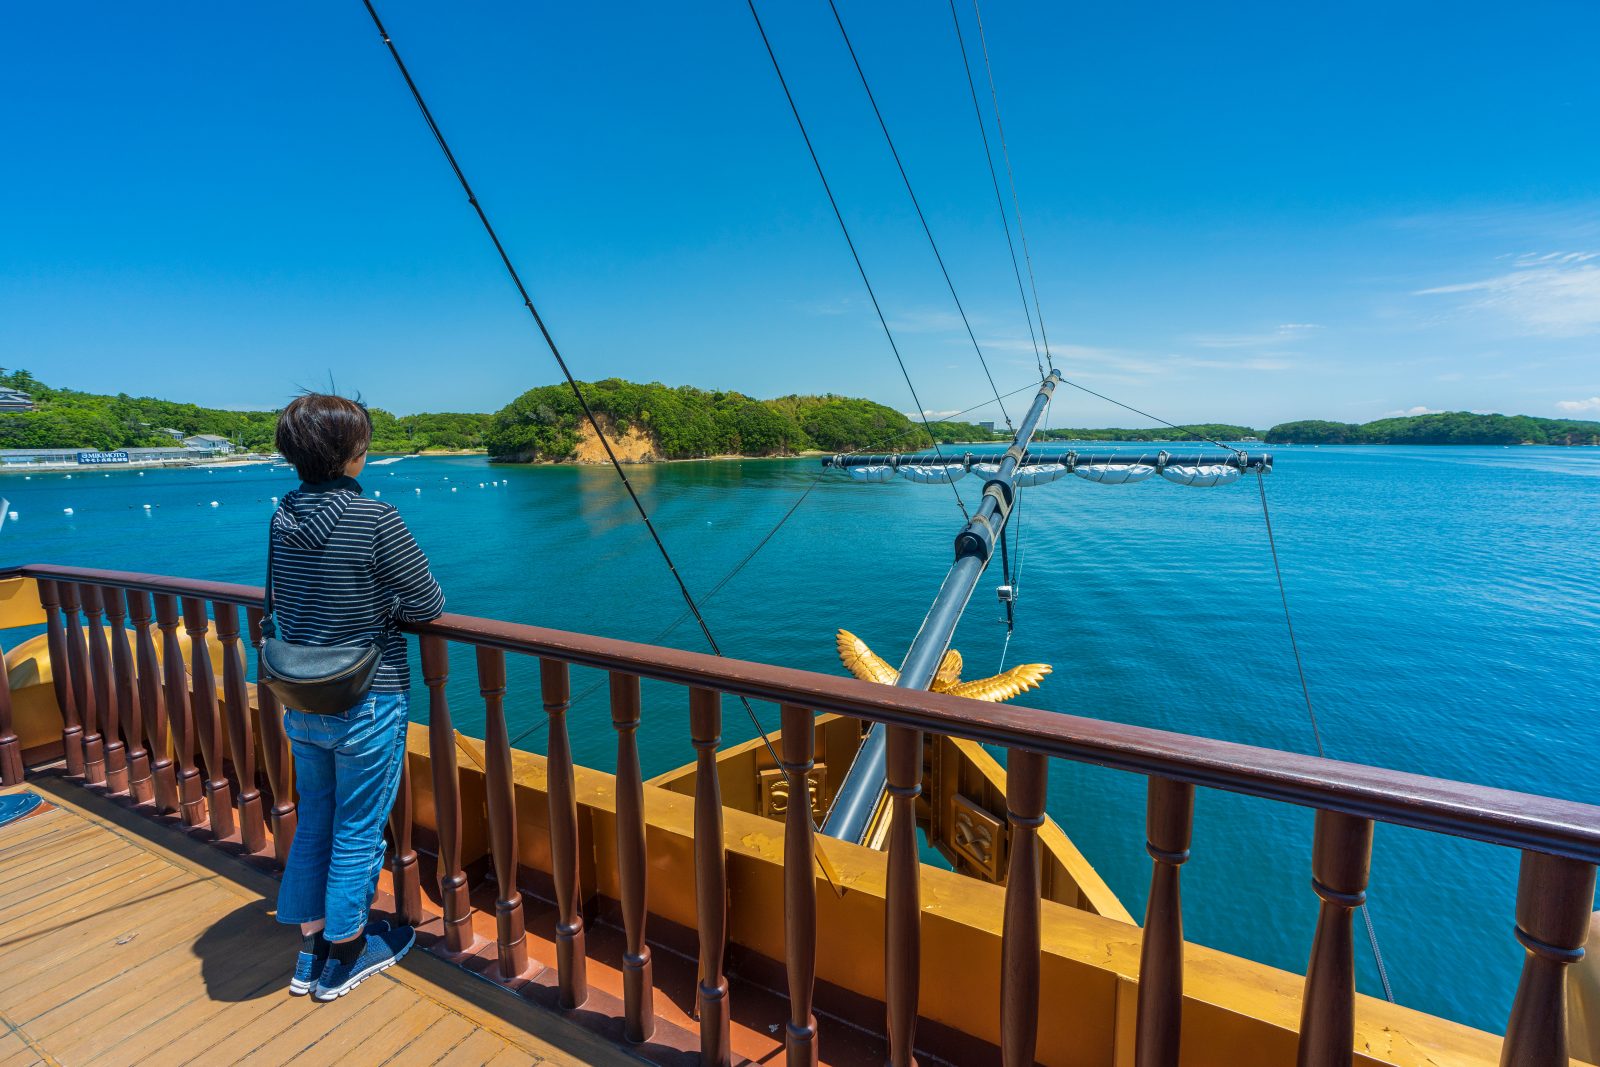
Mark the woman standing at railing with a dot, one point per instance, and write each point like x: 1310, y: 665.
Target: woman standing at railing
x: 341, y: 570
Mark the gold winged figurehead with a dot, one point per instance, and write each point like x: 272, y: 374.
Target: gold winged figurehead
x: 867, y: 665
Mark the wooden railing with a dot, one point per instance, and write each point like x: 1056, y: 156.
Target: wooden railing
x: 1559, y: 840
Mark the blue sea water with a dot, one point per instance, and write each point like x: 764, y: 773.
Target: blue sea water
x: 1446, y: 600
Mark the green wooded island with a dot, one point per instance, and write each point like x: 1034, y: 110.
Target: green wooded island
x: 652, y: 421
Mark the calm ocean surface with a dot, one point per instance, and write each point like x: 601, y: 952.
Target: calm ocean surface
x: 1447, y: 602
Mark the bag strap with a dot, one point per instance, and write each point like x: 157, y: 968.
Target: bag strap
x: 269, y: 625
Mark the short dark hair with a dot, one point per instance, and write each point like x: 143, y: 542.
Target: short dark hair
x: 319, y: 433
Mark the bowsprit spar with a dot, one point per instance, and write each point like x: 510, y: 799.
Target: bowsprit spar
x: 857, y: 812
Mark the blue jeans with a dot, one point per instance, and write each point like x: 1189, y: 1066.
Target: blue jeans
x: 347, y: 771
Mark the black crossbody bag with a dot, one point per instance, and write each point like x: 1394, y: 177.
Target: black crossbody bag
x: 322, y: 679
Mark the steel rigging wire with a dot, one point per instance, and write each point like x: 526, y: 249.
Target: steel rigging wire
x: 999, y: 201
x: 916, y: 204
x: 1010, y: 176
x: 1316, y: 731
x: 572, y: 382
x: 848, y: 240
x: 770, y: 534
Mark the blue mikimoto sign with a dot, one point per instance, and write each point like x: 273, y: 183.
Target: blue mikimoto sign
x: 102, y: 457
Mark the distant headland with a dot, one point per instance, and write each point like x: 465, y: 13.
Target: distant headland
x: 650, y: 421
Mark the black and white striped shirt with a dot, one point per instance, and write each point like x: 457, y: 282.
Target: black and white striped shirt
x: 343, y: 568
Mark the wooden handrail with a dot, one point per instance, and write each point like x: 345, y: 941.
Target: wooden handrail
x: 1560, y: 840
x: 1480, y: 813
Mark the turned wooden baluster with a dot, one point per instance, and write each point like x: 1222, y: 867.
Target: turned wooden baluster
x: 241, y: 742
x: 799, y: 888
x: 509, y: 931
x: 710, y: 876
x: 152, y: 707
x: 105, y: 690
x: 191, y: 802
x: 1554, y: 898
x: 902, y: 945
x: 1169, y: 814
x: 275, y: 754
x: 104, y: 681
x: 403, y: 869
x: 207, y: 718
x: 94, y: 754
x: 1027, y: 775
x: 572, y: 965
x: 1340, y: 854
x: 129, y: 714
x: 638, y: 972
x: 10, y: 746
x: 61, y: 677
x: 446, y: 797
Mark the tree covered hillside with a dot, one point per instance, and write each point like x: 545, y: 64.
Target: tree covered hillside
x: 67, y: 418
x: 546, y: 423
x: 1443, y: 428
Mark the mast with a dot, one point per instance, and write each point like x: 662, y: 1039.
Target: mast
x: 864, y: 784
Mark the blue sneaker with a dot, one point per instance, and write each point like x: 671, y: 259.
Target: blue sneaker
x: 308, y: 967
x: 380, y: 952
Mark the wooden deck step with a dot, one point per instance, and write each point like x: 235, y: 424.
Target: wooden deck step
x: 124, y: 943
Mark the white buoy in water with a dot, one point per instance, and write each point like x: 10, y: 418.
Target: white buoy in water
x: 274, y: 500
x: 452, y: 488
x: 66, y: 511
x: 147, y: 507
x: 69, y: 477
x: 12, y: 515
x: 417, y: 491
x: 480, y: 485
x: 377, y: 493
x: 213, y: 503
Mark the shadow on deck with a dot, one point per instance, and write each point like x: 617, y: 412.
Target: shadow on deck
x: 122, y: 944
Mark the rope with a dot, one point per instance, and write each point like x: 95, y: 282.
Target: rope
x: 893, y: 151
x: 572, y: 382
x: 844, y: 229
x: 999, y: 201
x: 1316, y: 730
x: 1011, y: 178
x: 1153, y: 418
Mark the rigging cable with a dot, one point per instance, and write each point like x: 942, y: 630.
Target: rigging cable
x: 915, y: 203
x: 860, y: 267
x: 572, y: 382
x: 737, y: 567
x: 1316, y: 731
x: 1011, y: 178
x: 999, y: 201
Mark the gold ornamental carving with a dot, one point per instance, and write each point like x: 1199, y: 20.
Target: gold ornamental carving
x: 977, y: 837
x: 775, y: 791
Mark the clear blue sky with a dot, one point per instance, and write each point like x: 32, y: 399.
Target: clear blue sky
x: 1249, y: 212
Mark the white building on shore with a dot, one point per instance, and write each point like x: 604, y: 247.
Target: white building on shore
x: 203, y: 447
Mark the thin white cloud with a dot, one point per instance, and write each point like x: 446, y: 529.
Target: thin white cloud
x: 1591, y: 404
x: 1553, y: 294
x: 1420, y: 409
x: 929, y: 413
x: 1261, y: 363
x: 1285, y: 333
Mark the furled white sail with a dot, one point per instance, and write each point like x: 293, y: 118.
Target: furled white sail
x: 872, y: 474
x: 1204, y: 476
x: 1040, y: 474
x: 931, y: 473
x: 1114, y: 474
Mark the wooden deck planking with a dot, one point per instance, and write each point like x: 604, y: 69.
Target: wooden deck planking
x: 123, y: 941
